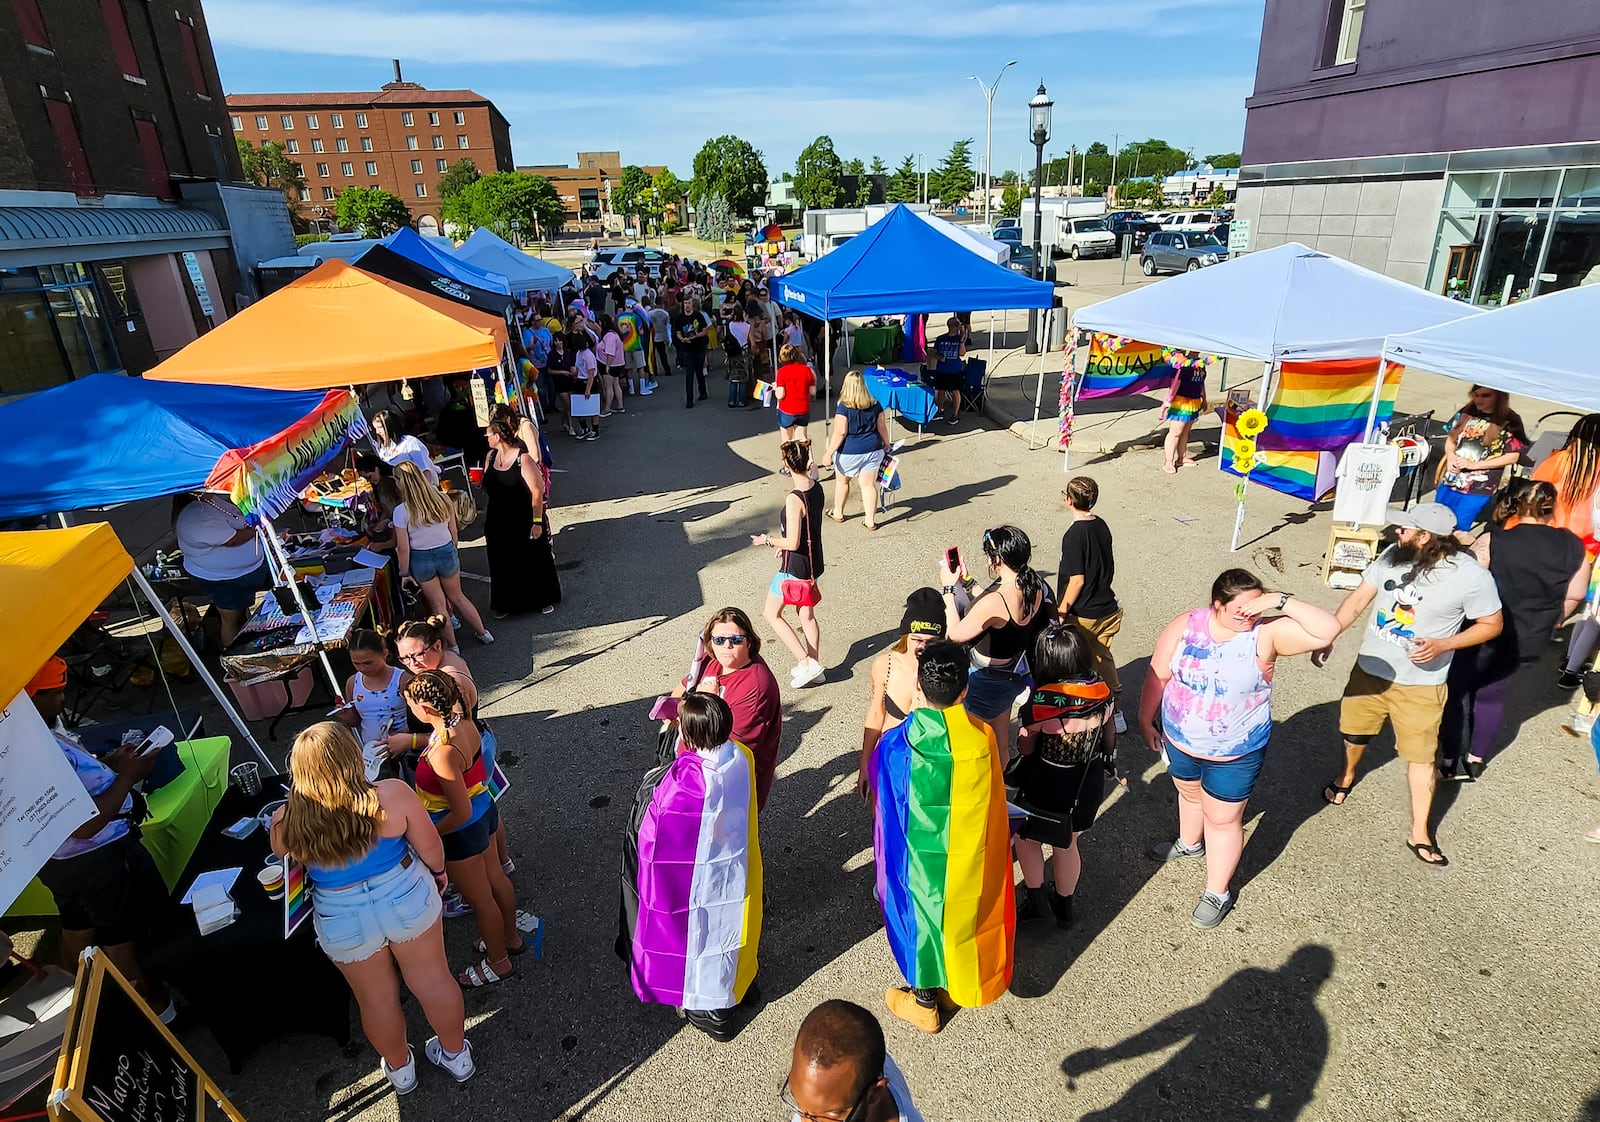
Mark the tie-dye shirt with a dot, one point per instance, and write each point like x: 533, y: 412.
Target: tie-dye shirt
x: 1218, y: 703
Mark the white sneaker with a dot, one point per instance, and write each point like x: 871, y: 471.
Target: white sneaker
x: 807, y: 673
x: 1121, y: 722
x: 646, y: 391
x: 485, y: 637
x: 460, y: 1065
x: 402, y: 1079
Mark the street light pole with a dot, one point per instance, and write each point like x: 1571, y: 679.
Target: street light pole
x: 1039, y: 120
x: 988, y: 132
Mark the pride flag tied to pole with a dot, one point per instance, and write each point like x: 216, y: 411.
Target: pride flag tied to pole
x: 265, y: 479
x: 1119, y: 366
x: 690, y: 919
x: 943, y: 848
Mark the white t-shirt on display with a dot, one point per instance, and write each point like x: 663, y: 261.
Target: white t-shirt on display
x: 1366, y: 475
x: 409, y: 448
x: 430, y: 535
x: 203, y: 528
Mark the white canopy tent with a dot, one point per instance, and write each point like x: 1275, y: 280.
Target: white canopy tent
x: 1289, y: 302
x: 487, y: 250
x: 987, y: 248
x: 1534, y: 347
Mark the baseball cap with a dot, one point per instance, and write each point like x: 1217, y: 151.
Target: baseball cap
x: 1435, y: 518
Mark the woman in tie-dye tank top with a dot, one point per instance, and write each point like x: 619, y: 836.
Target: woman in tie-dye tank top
x: 1207, y: 707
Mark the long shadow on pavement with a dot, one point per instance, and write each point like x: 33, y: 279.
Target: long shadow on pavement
x: 1254, y: 1049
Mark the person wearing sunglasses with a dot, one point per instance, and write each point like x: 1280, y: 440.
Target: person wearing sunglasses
x: 841, y: 1070
x: 736, y: 672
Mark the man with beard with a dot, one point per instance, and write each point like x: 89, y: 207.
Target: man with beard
x: 1425, y: 587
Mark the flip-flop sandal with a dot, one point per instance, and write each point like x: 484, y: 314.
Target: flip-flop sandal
x: 1342, y: 792
x: 873, y: 526
x: 1419, y: 848
x: 835, y: 515
x: 520, y: 948
x: 481, y: 975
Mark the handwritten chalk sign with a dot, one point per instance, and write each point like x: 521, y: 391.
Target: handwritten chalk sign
x: 119, y: 1063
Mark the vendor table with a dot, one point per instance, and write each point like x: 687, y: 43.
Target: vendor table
x: 247, y: 982
x: 901, y: 393
x: 272, y: 643
x: 179, y: 815
x: 876, y: 344
x: 99, y: 739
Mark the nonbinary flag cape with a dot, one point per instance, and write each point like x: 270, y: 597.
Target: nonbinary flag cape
x: 691, y: 881
x: 943, y: 849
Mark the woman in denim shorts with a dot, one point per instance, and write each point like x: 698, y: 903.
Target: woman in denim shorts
x: 425, y: 533
x: 375, y: 864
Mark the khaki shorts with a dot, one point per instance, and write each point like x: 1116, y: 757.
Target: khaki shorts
x: 1414, y: 711
x: 1098, y: 633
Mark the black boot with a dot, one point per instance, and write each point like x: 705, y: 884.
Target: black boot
x: 1062, y: 907
x: 1030, y: 904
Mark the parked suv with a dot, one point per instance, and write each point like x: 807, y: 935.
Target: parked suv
x: 1087, y: 237
x: 1175, y: 251
x: 1137, y: 227
x: 608, y: 261
x: 1190, y: 220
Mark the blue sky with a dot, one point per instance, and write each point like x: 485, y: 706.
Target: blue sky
x: 882, y: 77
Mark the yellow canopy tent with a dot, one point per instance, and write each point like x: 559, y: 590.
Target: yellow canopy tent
x: 339, y: 326
x: 50, y: 580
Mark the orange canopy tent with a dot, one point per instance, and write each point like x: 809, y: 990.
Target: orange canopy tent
x: 339, y: 326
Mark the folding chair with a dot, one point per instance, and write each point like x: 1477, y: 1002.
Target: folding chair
x: 974, y: 385
x: 33, y: 1020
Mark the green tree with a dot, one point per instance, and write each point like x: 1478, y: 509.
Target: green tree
x: 627, y: 197
x: 1225, y: 160
x: 816, y: 174
x: 1010, y: 201
x: 1094, y: 189
x: 459, y: 176
x: 270, y: 166
x: 863, y: 189
x: 1218, y: 196
x: 495, y: 200
x: 372, y: 211
x: 1151, y: 157
x: 902, y: 186
x: 878, y: 167
x: 1007, y: 177
x: 952, y: 180
x: 713, y: 220
x: 855, y: 167
x: 732, y: 168
x: 670, y: 191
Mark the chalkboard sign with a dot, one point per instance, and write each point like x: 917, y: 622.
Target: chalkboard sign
x: 119, y: 1063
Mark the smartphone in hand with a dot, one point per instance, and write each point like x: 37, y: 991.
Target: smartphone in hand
x: 156, y: 741
x: 952, y: 558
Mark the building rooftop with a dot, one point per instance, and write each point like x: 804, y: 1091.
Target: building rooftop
x: 412, y: 96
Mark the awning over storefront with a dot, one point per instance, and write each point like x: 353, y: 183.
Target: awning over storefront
x: 46, y: 235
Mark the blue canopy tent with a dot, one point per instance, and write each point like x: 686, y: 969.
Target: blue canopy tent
x: 900, y: 264
x: 108, y: 439
x: 405, y: 256
x: 526, y: 273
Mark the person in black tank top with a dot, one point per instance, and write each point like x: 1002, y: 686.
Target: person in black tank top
x: 800, y: 564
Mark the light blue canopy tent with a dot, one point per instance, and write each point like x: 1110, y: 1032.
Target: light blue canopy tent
x: 525, y: 272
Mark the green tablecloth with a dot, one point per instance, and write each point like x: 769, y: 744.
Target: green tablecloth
x: 875, y: 345
x: 179, y: 814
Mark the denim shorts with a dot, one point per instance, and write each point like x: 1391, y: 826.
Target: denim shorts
x: 429, y: 563
x: 1228, y: 781
x: 237, y: 594
x: 356, y: 922
x: 790, y: 420
x: 858, y: 463
x: 467, y: 842
x: 991, y: 692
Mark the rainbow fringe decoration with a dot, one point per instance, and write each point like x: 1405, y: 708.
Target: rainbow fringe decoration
x: 1118, y: 366
x: 1322, y: 406
x: 691, y: 881
x: 267, y: 478
x: 943, y: 850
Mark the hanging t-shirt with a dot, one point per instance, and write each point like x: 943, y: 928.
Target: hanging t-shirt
x: 1433, y: 605
x: 1366, y: 475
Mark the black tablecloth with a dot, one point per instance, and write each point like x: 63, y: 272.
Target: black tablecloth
x: 247, y: 983
x: 107, y: 736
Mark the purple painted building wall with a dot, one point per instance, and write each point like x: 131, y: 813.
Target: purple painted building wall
x: 1429, y: 76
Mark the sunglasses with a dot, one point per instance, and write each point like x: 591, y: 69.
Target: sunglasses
x: 787, y: 1099
x: 728, y: 640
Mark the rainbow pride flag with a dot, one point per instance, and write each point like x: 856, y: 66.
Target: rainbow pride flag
x: 265, y: 479
x: 1123, y: 366
x: 943, y: 849
x: 1301, y: 474
x: 1322, y: 406
x: 691, y: 881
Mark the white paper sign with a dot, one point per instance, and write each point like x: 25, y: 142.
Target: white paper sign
x: 42, y: 800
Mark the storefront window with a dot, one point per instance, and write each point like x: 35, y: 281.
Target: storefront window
x: 1513, y: 259
x: 1574, y: 252
x: 1530, y: 188
x: 1469, y: 192
x: 52, y: 328
x: 1455, y: 254
x: 1502, y: 237
x: 1581, y: 188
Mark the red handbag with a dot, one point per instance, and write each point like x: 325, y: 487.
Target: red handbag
x: 803, y: 593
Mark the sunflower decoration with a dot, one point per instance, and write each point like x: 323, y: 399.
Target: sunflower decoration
x: 1243, y: 449
x: 1251, y: 423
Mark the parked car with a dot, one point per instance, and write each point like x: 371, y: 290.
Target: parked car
x: 1123, y: 216
x: 1006, y: 224
x: 1022, y: 262
x: 1086, y: 237
x: 1159, y: 217
x: 608, y: 261
x: 1137, y: 227
x: 1011, y: 234
x: 1190, y: 220
x: 1178, y: 252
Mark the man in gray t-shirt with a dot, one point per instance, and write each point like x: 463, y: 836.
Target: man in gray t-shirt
x: 1424, y: 589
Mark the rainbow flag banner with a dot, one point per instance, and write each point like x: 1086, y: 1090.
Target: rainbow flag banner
x: 691, y: 881
x: 265, y: 479
x: 1119, y: 366
x: 1306, y: 474
x: 296, y: 900
x: 943, y: 848
x: 1322, y: 406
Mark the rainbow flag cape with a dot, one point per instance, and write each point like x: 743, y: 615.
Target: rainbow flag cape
x: 265, y: 479
x: 691, y: 881
x: 635, y: 331
x: 943, y: 849
x: 1322, y: 406
x: 1123, y: 366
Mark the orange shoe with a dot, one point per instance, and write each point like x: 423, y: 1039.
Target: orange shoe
x: 903, y: 1004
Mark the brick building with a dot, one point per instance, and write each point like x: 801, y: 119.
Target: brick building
x: 585, y: 189
x: 401, y: 138
x: 125, y: 231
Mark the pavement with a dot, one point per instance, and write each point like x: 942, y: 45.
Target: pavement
x: 1350, y: 983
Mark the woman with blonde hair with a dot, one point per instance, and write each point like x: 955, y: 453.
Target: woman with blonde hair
x: 858, y: 440
x: 426, y: 536
x: 452, y: 780
x: 375, y: 864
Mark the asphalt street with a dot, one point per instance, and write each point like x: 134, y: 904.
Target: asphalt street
x: 1351, y: 982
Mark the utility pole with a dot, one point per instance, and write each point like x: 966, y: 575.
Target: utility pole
x: 988, y: 132
x: 1116, y: 141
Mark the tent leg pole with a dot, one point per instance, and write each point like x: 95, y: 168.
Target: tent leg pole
x: 194, y: 660
x: 1377, y: 396
x: 827, y: 368
x: 1223, y: 389
x: 1038, y: 389
x: 271, y: 534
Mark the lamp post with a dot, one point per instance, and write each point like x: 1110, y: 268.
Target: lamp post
x: 516, y: 233
x: 1039, y: 123
x: 988, y: 130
